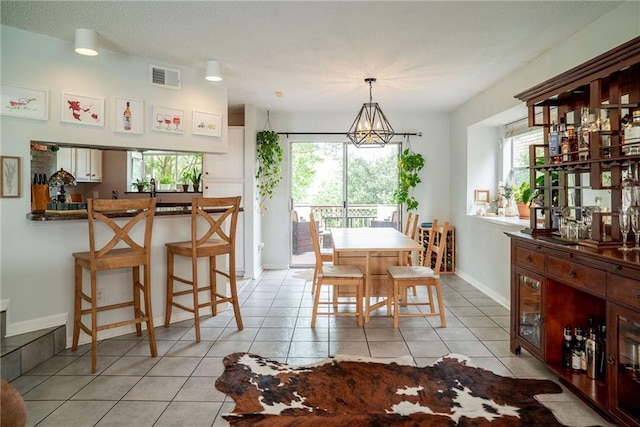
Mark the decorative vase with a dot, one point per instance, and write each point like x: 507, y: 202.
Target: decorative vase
x: 140, y: 188
x: 523, y: 210
x: 185, y: 187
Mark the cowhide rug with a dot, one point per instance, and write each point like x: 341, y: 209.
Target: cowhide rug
x: 364, y: 393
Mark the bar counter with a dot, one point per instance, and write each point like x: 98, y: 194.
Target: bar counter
x: 162, y: 209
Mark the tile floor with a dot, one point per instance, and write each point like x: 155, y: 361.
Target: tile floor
x: 176, y: 388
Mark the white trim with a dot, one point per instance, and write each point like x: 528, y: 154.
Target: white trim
x: 484, y: 289
x: 504, y: 222
x: 4, y: 304
x: 35, y: 324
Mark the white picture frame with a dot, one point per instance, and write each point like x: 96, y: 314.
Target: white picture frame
x: 82, y: 110
x: 172, y: 120
x: 206, y: 124
x: 10, y: 176
x: 136, y: 106
x: 23, y: 102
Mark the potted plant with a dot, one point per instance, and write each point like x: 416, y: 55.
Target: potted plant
x: 523, y: 196
x: 186, y: 178
x: 141, y: 184
x: 269, y: 173
x: 195, y: 180
x: 409, y: 165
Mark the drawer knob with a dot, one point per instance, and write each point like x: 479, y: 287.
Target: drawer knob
x: 611, y: 360
x: 538, y: 247
x: 573, y: 273
x: 618, y: 267
x: 529, y: 259
x: 638, y: 296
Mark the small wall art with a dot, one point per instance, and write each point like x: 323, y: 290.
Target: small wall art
x: 481, y: 196
x: 82, y: 110
x: 128, y: 114
x: 23, y: 102
x: 207, y: 124
x: 9, y: 176
x: 168, y: 120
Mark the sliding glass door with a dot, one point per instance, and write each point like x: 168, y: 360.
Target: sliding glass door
x: 343, y: 186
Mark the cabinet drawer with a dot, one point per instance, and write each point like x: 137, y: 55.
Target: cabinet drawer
x: 577, y: 275
x: 623, y: 290
x: 528, y: 257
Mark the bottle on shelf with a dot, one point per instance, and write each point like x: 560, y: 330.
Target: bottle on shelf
x: 583, y: 135
x: 126, y: 116
x: 601, y: 358
x: 554, y: 144
x: 632, y: 135
x: 569, y: 147
x: 577, y: 347
x: 152, y: 188
x: 566, y: 348
x: 591, y: 349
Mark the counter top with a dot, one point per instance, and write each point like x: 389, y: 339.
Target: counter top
x: 162, y: 209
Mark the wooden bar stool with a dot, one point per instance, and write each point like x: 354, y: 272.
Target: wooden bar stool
x: 121, y: 251
x: 207, y: 242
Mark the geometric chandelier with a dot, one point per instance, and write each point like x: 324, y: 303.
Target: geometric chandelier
x: 370, y: 128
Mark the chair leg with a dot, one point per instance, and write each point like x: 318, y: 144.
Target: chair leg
x: 316, y: 301
x: 137, y: 285
x: 77, y: 313
x: 234, y: 291
x: 396, y: 305
x: 196, y: 308
x: 359, y: 302
x: 430, y: 296
x: 212, y: 285
x: 151, y: 333
x: 443, y: 320
x: 94, y: 325
x: 169, y: 305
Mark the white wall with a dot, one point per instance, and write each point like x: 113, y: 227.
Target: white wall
x: 36, y: 263
x: 432, y: 193
x: 482, y: 247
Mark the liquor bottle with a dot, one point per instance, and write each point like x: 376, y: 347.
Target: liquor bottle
x: 566, y: 347
x: 632, y: 135
x: 554, y: 144
x: 583, y: 135
x: 601, y: 359
x: 576, y: 349
x: 152, y: 188
x: 569, y: 146
x: 583, y: 352
x: 127, y: 118
x: 591, y: 349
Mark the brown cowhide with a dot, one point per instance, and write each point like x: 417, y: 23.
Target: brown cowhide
x: 363, y: 393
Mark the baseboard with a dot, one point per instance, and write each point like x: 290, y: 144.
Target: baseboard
x: 18, y: 328
x: 485, y: 289
x: 275, y: 267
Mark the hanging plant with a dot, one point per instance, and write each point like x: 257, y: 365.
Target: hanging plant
x: 269, y: 174
x: 409, y: 165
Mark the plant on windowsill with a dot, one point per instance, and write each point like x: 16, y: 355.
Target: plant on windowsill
x: 185, y: 179
x: 269, y: 173
x: 409, y: 165
x: 195, y: 180
x: 524, y: 196
x: 141, y: 184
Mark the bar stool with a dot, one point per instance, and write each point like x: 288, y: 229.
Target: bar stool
x: 207, y: 242
x: 128, y: 254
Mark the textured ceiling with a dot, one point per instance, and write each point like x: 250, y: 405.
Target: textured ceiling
x: 426, y: 55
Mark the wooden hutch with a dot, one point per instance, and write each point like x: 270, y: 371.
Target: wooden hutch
x: 561, y: 280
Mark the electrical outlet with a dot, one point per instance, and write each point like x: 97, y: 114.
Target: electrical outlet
x: 100, y: 296
x: 261, y: 247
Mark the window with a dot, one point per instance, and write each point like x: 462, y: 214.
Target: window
x: 168, y: 168
x: 518, y: 138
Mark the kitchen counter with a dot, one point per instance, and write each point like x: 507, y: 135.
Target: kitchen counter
x: 162, y: 209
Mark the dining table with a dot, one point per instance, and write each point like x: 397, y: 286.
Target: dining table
x: 373, y: 249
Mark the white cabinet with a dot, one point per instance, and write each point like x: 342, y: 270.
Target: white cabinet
x: 88, y: 165
x: 83, y: 163
x: 223, y: 176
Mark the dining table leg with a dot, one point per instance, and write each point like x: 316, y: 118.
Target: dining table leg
x: 367, y: 288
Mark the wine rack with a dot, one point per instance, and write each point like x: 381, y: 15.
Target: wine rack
x: 449, y: 262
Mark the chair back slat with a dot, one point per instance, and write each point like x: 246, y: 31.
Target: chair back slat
x: 439, y: 238
x: 316, y: 243
x: 102, y: 211
x: 411, y: 227
x: 215, y: 220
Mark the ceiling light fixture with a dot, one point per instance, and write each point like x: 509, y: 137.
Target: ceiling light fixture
x: 213, y: 71
x: 370, y: 128
x: 86, y: 42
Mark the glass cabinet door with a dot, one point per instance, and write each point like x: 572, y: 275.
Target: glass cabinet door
x: 529, y: 323
x: 626, y: 368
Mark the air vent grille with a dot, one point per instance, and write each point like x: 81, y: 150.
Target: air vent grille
x: 165, y: 77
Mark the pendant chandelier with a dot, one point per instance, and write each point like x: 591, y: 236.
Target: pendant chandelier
x: 370, y: 128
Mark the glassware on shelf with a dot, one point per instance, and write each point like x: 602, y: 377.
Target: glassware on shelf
x: 625, y: 224
x: 634, y: 212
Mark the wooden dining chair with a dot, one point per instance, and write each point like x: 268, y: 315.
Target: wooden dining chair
x: 335, y: 277
x: 327, y: 256
x: 209, y: 238
x: 410, y: 230
x: 121, y: 250
x: 402, y: 277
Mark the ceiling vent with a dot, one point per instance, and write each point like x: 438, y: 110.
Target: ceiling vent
x: 164, y: 77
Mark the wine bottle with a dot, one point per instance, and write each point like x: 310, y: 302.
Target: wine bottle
x: 576, y: 349
x: 591, y: 349
x: 126, y: 117
x: 583, y: 352
x: 601, y: 353
x: 554, y: 144
x: 584, y: 144
x: 566, y: 347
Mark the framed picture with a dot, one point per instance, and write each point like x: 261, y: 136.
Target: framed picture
x: 26, y: 103
x: 82, y: 110
x: 128, y: 116
x: 9, y: 176
x: 168, y: 120
x: 207, y: 124
x: 481, y: 196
